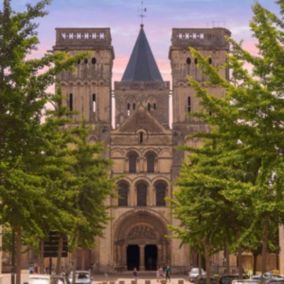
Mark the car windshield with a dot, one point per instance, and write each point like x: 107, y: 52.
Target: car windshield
x: 82, y: 275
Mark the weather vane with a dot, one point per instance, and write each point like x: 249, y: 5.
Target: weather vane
x: 143, y: 11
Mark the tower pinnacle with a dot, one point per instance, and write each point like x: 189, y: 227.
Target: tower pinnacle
x: 142, y: 15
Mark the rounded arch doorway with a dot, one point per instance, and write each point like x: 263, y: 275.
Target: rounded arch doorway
x: 140, y: 242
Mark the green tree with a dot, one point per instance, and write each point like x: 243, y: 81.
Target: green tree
x: 93, y: 186
x: 23, y: 85
x: 247, y: 123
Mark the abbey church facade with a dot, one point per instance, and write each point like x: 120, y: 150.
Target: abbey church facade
x: 141, y: 144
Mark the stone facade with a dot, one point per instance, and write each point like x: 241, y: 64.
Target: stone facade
x: 142, y: 145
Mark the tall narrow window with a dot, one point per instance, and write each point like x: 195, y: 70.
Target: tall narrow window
x: 189, y: 104
x: 188, y: 60
x: 132, y: 162
x: 94, y: 99
x: 150, y: 157
x: 128, y: 109
x: 155, y: 106
x: 149, y: 106
x: 70, y: 102
x: 141, y: 137
x: 134, y: 106
x: 195, y: 61
x: 123, y: 189
x: 210, y: 60
x: 141, y: 194
x: 161, y: 189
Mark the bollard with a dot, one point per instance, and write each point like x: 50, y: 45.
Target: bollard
x: 163, y: 281
x: 147, y: 281
x: 180, y: 281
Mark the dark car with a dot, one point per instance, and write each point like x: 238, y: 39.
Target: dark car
x: 228, y: 278
x: 202, y: 280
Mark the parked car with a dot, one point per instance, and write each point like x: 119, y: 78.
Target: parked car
x: 202, y: 280
x: 58, y: 279
x: 81, y: 277
x: 228, y: 278
x: 268, y: 277
x: 194, y: 273
x: 39, y: 279
x: 246, y: 281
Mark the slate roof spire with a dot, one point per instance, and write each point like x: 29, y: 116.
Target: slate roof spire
x: 142, y: 65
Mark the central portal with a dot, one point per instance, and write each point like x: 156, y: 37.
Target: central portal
x: 151, y: 257
x: 133, y: 257
x: 140, y: 242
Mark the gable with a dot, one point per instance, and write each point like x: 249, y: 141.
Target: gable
x: 141, y: 119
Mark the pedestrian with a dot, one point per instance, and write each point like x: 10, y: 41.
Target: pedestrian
x: 159, y: 274
x: 135, y: 274
x: 168, y: 273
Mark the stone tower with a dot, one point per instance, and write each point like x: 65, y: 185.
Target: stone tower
x: 141, y: 150
x: 87, y: 88
x: 212, y: 44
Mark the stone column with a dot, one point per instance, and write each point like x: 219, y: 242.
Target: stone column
x: 160, y: 255
x: 123, y: 256
x: 132, y: 195
x: 142, y: 257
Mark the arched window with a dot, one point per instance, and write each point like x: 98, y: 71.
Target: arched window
x: 141, y: 137
x: 189, y: 104
x: 150, y: 157
x: 123, y: 189
x: 141, y: 189
x: 94, y: 99
x: 161, y: 190
x: 195, y: 61
x: 188, y: 60
x: 70, y: 102
x: 94, y: 60
x: 132, y: 162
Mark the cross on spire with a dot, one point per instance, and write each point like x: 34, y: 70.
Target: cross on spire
x: 143, y: 11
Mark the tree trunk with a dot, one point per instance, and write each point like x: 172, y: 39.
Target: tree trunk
x: 59, y: 255
x: 74, y: 266
x: 75, y: 245
x: 226, y: 258
x: 199, y: 264
x: 41, y: 257
x: 255, y: 254
x: 207, y: 264
x: 264, y: 246
x: 18, y: 246
x: 240, y: 264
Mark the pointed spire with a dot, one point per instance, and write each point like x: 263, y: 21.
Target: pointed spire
x: 142, y: 65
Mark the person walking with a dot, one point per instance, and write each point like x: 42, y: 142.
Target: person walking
x: 135, y: 274
x: 168, y: 273
x: 159, y: 274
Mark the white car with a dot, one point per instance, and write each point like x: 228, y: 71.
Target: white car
x: 81, y: 277
x: 194, y: 273
x: 39, y: 279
